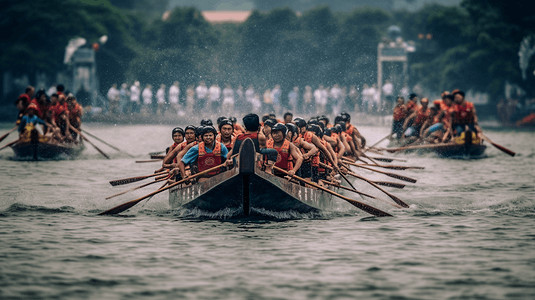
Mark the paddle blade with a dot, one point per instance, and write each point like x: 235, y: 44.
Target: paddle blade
x: 383, y: 159
x: 390, y: 184
x: 408, y: 179
x: 120, y: 208
x: 369, y: 209
x: 127, y: 180
x: 503, y: 149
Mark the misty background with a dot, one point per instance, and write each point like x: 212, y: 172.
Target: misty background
x: 472, y: 45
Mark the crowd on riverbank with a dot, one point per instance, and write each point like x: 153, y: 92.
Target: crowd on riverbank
x: 138, y: 99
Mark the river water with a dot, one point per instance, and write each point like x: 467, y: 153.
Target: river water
x: 469, y: 233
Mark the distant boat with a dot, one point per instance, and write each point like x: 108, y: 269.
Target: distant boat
x: 247, y: 190
x: 46, y: 150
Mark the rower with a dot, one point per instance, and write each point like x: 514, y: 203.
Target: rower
x: 75, y: 114
x: 417, y: 118
x: 439, y: 129
x: 357, y: 138
x: 330, y: 135
x: 325, y: 120
x: 307, y: 150
x: 289, y: 157
x: 252, y: 131
x: 310, y: 138
x: 237, y: 127
x: 207, y: 154
x: 28, y: 124
x: 288, y: 117
x: 268, y: 124
x: 399, y: 116
x: 464, y: 115
x: 21, y: 103
x: 329, y: 157
x: 226, y: 133
x: 206, y: 122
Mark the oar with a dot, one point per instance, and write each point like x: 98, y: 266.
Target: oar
x: 127, y: 205
x: 396, y: 199
x: 394, y: 150
x: 137, y: 187
x: 387, y: 136
x: 147, y: 161
x: 404, y: 178
x: 359, y: 193
x: 384, y: 183
x: 388, y: 159
x: 85, y: 139
x: 111, y: 146
x: 390, y: 184
x: 160, y: 157
x: 500, y: 147
x: 9, y: 144
x: 5, y: 135
x: 387, y: 167
x: 134, y: 179
x: 367, y: 208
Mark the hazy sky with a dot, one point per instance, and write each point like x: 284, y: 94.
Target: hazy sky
x: 249, y: 4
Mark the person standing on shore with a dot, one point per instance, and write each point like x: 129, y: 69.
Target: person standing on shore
x: 134, y: 97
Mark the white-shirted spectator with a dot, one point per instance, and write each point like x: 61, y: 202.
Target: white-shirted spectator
x: 335, y: 95
x: 388, y: 96
x: 214, y: 96
x: 228, y: 100
x: 320, y: 97
x: 160, y: 99
x: 174, y: 94
x: 201, y: 92
x: 113, y: 99
x: 147, y: 97
x: 134, y: 97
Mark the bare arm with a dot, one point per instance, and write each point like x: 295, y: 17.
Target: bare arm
x: 312, y: 150
x: 298, y: 158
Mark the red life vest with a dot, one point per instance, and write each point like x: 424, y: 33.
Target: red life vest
x: 229, y: 145
x: 284, y: 158
x: 421, y: 116
x: 411, y: 106
x: 400, y: 113
x: 322, y: 158
x: 316, y: 158
x: 244, y: 136
x: 207, y: 160
x: 464, y: 114
x: 349, y: 129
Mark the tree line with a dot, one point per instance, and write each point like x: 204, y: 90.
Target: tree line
x: 472, y: 46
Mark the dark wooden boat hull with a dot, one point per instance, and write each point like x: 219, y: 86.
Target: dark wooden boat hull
x: 35, y: 151
x: 247, y: 190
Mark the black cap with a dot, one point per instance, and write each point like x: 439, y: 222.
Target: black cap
x: 190, y: 127
x: 251, y: 122
x: 315, y: 129
x: 177, y: 129
x: 225, y: 122
x: 207, y: 129
x: 280, y: 127
x: 300, y: 122
x: 270, y: 122
x: 207, y: 122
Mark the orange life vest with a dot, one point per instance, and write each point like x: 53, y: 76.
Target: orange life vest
x: 421, y: 116
x: 464, y: 114
x: 316, y: 158
x: 322, y: 158
x: 284, y: 158
x: 207, y: 160
x: 400, y: 113
x: 229, y: 145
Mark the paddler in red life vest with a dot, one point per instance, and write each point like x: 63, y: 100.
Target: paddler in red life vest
x: 288, y: 117
x: 464, y: 115
x: 307, y: 149
x: 266, y: 129
x: 328, y: 158
x: 418, y: 117
x: 400, y: 113
x: 207, y: 154
x: 75, y: 114
x: 331, y: 137
x: 226, y: 133
x: 357, y: 138
x: 171, y: 159
x: 289, y: 157
x: 439, y: 126
x: 237, y: 127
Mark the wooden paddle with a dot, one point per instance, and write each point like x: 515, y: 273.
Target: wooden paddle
x: 157, y: 157
x: 367, y: 208
x: 9, y: 144
x: 5, y: 135
x: 111, y: 146
x: 387, y: 167
x: 136, y: 188
x: 388, y: 159
x: 147, y: 161
x: 500, y: 147
x: 384, y: 183
x: 134, y: 179
x: 404, y: 178
x: 396, y: 199
x: 359, y: 193
x: 85, y: 139
x: 127, y: 205
x: 387, y: 136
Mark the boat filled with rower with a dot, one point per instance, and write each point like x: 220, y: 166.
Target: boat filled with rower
x: 47, y: 126
x: 448, y: 126
x: 266, y: 165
